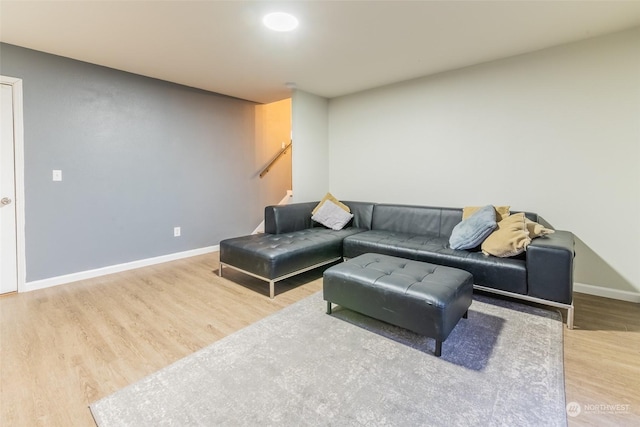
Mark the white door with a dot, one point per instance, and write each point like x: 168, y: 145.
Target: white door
x: 8, y: 229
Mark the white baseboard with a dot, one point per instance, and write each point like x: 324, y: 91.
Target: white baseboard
x: 607, y: 292
x: 89, y: 274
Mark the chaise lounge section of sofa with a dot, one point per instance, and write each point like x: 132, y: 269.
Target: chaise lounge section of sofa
x: 293, y: 243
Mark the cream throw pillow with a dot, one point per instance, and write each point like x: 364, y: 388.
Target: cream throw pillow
x: 509, y: 239
x: 537, y: 230
x: 501, y: 211
x: 329, y: 196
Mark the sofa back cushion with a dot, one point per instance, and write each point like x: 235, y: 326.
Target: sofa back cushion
x: 370, y: 216
x: 423, y: 220
x: 362, y: 214
x: 280, y: 219
x: 449, y: 218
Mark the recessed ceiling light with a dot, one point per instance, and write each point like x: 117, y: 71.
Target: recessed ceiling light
x: 280, y: 21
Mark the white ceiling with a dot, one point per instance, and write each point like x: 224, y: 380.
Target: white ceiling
x: 340, y: 47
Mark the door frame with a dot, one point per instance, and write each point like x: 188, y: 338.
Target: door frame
x: 18, y: 154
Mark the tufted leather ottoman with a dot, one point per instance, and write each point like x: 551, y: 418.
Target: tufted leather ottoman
x: 425, y: 298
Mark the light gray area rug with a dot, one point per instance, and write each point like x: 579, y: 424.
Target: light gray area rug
x: 503, y: 366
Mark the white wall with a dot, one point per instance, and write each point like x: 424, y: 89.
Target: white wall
x: 310, y: 155
x: 555, y: 132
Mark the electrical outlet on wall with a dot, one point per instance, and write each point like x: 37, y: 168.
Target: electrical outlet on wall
x: 176, y: 231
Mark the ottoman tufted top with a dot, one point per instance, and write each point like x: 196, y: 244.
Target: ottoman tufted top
x: 431, y: 283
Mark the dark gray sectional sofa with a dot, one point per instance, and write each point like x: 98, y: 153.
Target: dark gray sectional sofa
x: 293, y: 243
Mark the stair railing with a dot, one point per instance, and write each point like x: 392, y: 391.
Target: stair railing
x: 275, y: 159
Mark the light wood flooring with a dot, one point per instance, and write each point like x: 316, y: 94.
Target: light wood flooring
x: 64, y: 347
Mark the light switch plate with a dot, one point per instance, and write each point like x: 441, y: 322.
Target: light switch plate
x: 57, y: 175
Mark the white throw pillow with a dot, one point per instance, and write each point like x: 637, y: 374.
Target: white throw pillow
x: 332, y: 216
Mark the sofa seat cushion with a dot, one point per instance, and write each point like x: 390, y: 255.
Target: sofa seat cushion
x: 274, y: 255
x: 508, y: 274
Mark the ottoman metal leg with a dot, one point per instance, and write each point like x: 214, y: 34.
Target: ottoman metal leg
x: 438, y: 351
x: 465, y: 315
x: 328, y: 307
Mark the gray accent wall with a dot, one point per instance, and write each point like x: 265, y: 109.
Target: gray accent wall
x: 138, y: 156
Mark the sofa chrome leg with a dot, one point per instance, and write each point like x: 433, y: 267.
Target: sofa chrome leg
x: 220, y: 271
x: 438, y: 351
x: 570, y: 317
x: 271, y: 289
